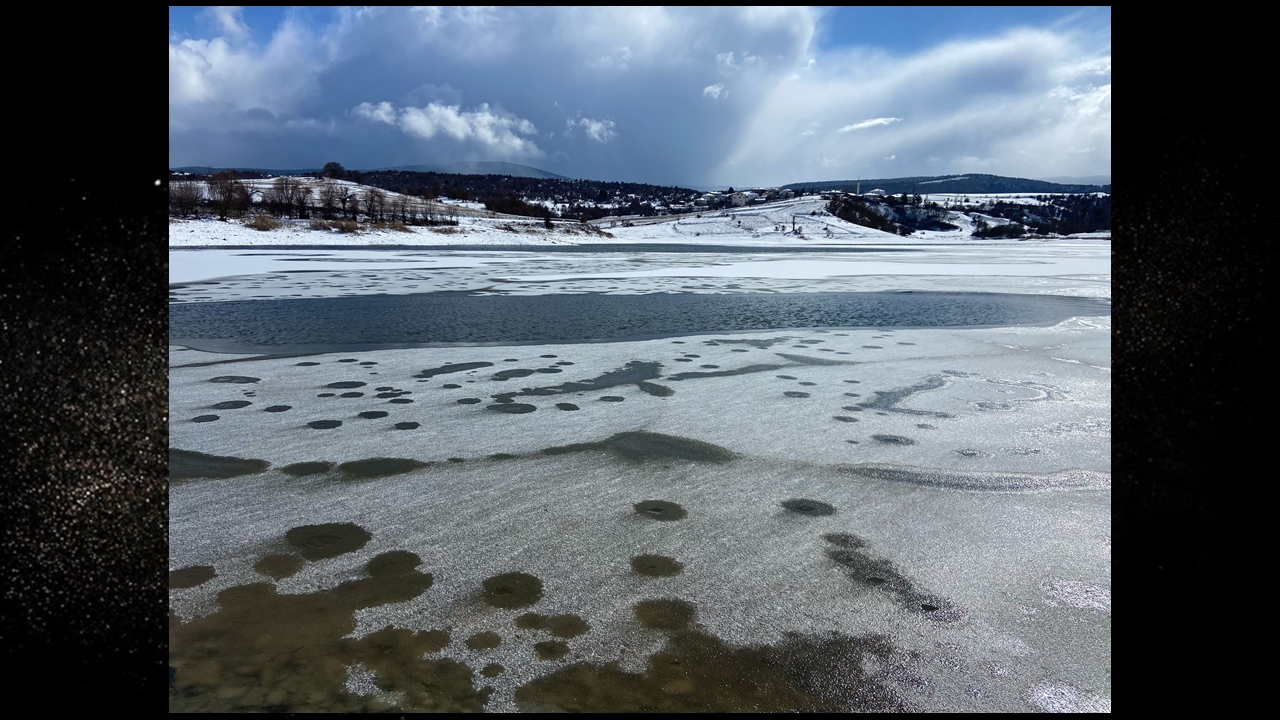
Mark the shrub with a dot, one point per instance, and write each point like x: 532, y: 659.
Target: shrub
x: 263, y: 221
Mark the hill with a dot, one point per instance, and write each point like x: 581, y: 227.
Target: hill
x: 968, y: 183
x: 481, y: 168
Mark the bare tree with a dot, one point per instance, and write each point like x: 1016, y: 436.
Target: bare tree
x: 184, y: 197
x: 328, y: 197
x: 344, y: 197
x: 302, y: 198
x: 280, y: 196
x: 227, y: 194
x: 401, y: 208
x: 375, y: 202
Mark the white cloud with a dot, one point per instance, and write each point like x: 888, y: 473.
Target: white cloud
x: 714, y: 91
x: 873, y: 122
x: 725, y: 61
x: 229, y: 20
x: 892, y: 157
x: 599, y: 130
x: 495, y: 131
x: 382, y: 112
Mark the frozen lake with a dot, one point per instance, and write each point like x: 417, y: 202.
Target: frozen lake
x: 766, y: 483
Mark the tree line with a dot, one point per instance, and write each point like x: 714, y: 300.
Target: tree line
x: 227, y: 195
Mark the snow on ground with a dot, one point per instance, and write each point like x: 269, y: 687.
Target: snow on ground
x: 770, y: 224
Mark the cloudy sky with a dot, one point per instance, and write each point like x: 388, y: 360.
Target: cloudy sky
x: 687, y: 96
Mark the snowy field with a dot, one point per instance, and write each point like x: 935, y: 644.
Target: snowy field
x: 902, y: 518
x: 764, y: 225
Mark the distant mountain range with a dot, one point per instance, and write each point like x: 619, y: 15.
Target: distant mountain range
x: 481, y: 168
x: 457, y: 168
x: 964, y: 183
x: 1087, y: 180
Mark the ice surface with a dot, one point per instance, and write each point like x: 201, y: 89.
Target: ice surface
x: 968, y: 469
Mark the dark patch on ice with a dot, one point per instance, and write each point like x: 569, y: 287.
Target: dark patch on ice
x: 787, y: 377
x: 373, y: 414
x: 189, y: 577
x: 327, y: 395
x: 873, y: 347
x: 984, y: 480
x: 502, y: 456
x: 812, y: 508
x: 656, y: 565
x: 468, y: 401
x: 888, y: 400
x: 612, y: 398
x: 452, y: 368
x: 882, y: 575
x: 926, y: 426
x: 307, y: 364
x: 566, y: 406
x: 655, y: 389
x: 697, y: 672
x: 230, y: 405
x: 450, y: 386
x: 893, y: 439
x: 301, y: 643
x: 972, y: 453
x: 277, y: 408
x: 512, y: 408
x: 845, y: 540
x: 302, y: 469
x: 562, y: 626
x: 665, y: 613
x: 324, y: 424
x: 546, y: 356
x: 352, y: 394
x: 492, y: 670
x: 806, y: 360
x: 796, y: 394
x: 807, y: 384
x: 392, y: 564
x: 640, y: 445
x: 379, y: 467
x: 486, y: 640
x: 316, y: 542
x: 551, y: 649
x: 632, y: 373
x: 512, y: 590
x: 549, y: 370
x: 993, y: 406
x: 845, y: 418
x: 906, y: 343
x: 683, y: 360
x: 661, y: 510
x: 725, y: 373
x: 204, y: 418
x: 235, y: 379
x: 399, y: 401
x: 185, y: 464
x: 349, y: 360
x: 279, y: 567
x: 346, y: 384
x: 513, y: 373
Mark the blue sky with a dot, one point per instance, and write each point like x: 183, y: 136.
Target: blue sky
x: 689, y: 96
